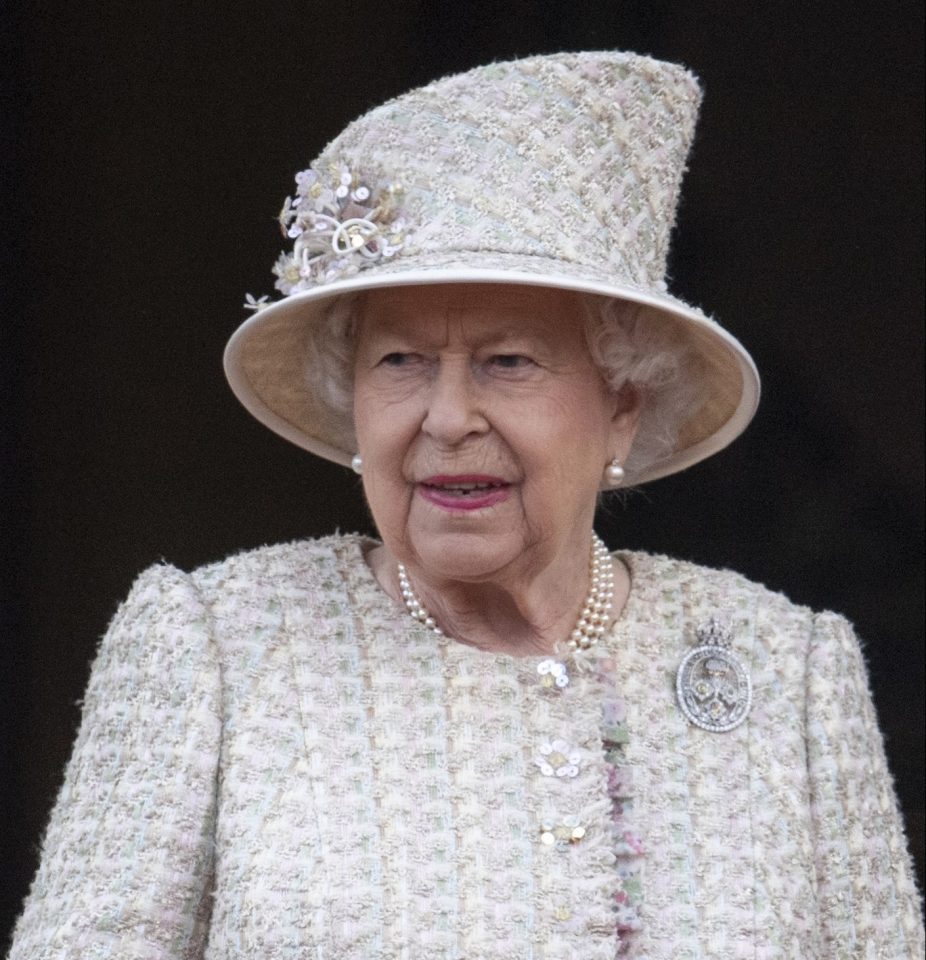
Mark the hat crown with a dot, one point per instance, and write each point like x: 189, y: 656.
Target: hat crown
x: 570, y: 157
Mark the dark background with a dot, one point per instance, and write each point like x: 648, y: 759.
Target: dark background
x: 149, y: 147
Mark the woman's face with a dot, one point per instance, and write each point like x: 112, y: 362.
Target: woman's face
x: 484, y: 426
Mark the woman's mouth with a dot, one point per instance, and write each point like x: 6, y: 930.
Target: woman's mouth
x: 464, y: 492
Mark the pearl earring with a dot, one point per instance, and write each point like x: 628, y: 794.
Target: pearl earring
x: 614, y: 473
x: 356, y: 463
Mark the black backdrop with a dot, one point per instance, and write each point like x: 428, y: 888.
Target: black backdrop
x: 149, y: 147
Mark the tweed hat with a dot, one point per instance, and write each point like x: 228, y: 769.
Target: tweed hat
x: 560, y: 171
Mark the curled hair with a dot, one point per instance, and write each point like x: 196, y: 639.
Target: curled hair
x: 330, y: 358
x: 632, y: 345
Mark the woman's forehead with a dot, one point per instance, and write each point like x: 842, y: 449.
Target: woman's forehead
x: 500, y: 308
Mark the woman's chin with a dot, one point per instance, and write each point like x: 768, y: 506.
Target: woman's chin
x: 465, y: 555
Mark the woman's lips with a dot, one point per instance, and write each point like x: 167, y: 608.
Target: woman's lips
x: 464, y: 491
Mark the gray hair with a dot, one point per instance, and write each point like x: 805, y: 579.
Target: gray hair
x: 629, y: 343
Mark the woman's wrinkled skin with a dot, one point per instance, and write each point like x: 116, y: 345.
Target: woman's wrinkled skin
x: 495, y: 382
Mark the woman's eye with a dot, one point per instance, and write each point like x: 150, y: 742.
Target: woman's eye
x: 397, y: 359
x: 511, y: 361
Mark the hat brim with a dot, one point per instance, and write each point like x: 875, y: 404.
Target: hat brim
x: 265, y: 360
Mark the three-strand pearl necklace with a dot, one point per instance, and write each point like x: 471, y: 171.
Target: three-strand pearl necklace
x: 592, y: 622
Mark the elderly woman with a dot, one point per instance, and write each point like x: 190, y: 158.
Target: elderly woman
x: 484, y: 735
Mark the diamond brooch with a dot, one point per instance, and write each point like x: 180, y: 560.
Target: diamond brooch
x: 712, y: 686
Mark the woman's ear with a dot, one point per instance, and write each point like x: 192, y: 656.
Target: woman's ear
x: 625, y: 418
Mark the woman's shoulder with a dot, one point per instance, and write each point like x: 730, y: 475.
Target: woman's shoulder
x: 251, y: 579
x: 702, y: 591
x: 672, y: 573
x: 307, y: 562
x: 248, y: 597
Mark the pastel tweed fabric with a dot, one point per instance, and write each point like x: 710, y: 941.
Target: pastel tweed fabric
x: 276, y: 763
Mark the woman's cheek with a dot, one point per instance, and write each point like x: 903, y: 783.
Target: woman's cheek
x: 388, y: 491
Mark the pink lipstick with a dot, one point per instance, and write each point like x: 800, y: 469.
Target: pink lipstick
x: 469, y: 491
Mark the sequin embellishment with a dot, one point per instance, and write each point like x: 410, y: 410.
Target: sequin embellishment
x: 340, y: 225
x: 561, y: 834
x: 556, y: 758
x: 553, y: 674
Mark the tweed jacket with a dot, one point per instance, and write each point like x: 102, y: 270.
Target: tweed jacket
x: 276, y: 763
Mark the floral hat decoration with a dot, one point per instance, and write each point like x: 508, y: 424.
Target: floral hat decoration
x: 560, y: 171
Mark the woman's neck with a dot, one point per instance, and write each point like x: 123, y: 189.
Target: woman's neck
x: 525, y: 616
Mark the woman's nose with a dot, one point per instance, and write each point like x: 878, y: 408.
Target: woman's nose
x: 454, y: 407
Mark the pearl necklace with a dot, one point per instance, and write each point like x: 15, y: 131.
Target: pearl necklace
x: 592, y: 622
